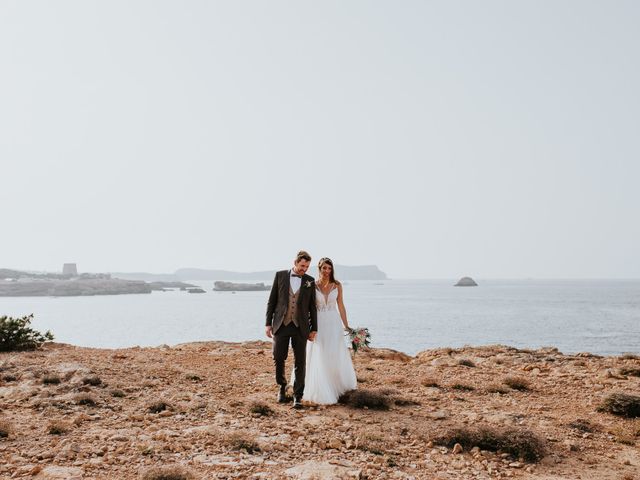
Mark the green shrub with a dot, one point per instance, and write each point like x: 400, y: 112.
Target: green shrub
x: 16, y: 334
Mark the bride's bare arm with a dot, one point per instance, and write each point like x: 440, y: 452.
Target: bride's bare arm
x: 341, y: 309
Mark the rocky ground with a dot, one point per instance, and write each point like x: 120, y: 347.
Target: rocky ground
x: 208, y: 410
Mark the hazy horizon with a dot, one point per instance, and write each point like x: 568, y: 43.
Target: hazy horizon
x: 497, y: 139
x: 312, y: 268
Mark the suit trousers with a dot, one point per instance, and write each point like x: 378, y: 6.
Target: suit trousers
x: 281, y: 339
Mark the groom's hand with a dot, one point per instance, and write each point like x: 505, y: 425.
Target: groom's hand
x: 269, y: 331
x: 312, y: 336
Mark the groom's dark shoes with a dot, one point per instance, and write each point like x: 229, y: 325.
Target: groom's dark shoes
x: 282, y: 394
x: 297, y: 402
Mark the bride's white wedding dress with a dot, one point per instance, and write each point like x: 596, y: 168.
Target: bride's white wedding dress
x: 330, y: 371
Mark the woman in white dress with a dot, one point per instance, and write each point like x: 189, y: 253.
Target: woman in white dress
x: 330, y: 371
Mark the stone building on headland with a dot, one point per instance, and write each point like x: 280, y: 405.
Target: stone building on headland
x: 70, y: 269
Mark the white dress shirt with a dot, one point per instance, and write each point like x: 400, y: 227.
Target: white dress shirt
x: 295, y: 282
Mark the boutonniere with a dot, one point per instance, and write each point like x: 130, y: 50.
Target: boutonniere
x: 308, y: 283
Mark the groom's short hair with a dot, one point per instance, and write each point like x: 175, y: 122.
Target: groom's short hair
x: 302, y: 255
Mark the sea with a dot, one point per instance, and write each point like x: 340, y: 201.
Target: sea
x: 596, y: 316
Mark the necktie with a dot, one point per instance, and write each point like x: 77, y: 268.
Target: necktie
x: 297, y: 276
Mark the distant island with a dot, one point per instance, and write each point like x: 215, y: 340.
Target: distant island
x: 466, y: 282
x: 343, y: 272
x: 240, y: 287
x: 16, y: 283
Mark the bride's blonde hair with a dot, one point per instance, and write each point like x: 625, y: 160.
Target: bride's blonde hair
x: 327, y: 260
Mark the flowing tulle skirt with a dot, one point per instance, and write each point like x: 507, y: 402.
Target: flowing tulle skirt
x: 330, y: 371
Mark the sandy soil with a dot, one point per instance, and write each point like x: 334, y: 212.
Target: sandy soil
x: 117, y: 414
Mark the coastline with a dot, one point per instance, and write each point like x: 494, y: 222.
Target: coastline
x: 207, y: 391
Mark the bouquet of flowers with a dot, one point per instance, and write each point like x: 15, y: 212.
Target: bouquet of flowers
x: 359, y: 337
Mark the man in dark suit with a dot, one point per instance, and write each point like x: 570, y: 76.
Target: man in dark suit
x: 292, y: 317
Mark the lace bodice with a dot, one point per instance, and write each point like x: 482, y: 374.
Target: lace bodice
x: 326, y: 303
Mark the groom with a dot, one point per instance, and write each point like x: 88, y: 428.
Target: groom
x: 292, y: 317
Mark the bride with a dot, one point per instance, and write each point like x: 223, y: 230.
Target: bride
x: 329, y: 369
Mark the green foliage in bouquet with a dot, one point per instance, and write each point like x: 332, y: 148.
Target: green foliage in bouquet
x: 359, y: 337
x: 16, y: 334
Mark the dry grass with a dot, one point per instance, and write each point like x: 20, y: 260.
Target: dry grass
x: 621, y: 404
x: 93, y: 381
x: 372, y: 399
x: 158, y: 406
x: 51, y: 380
x: 627, y: 432
x: 462, y: 387
x: 371, y: 441
x: 6, y: 428
x: 497, y: 388
x: 584, y: 426
x: 517, y: 383
x: 465, y: 362
x: 630, y: 371
x: 260, y: 409
x: 239, y: 440
x: 396, y: 380
x: 629, y: 356
x: 405, y: 402
x: 58, y: 427
x: 85, y: 399
x: 429, y: 382
x: 168, y: 473
x: 520, y: 443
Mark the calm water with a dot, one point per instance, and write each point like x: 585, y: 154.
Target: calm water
x: 575, y: 316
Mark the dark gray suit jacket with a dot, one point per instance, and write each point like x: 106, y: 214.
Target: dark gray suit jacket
x: 306, y: 314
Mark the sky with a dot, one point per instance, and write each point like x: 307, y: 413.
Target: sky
x: 435, y: 139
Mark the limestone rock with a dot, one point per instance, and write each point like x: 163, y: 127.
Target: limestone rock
x: 60, y: 473
x: 314, y: 470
